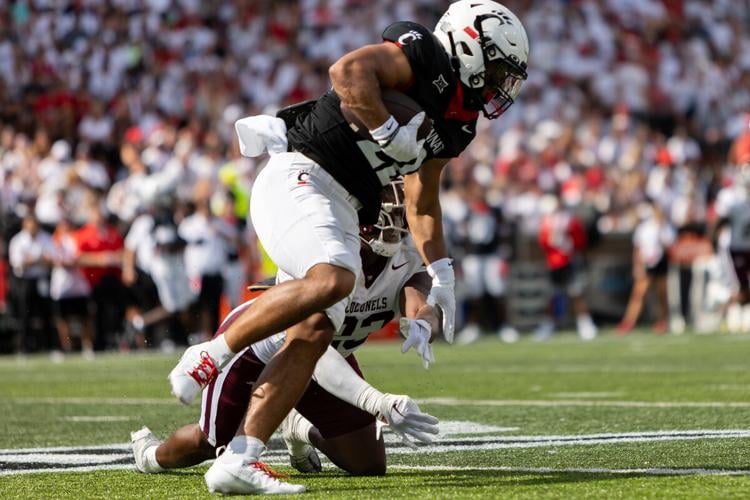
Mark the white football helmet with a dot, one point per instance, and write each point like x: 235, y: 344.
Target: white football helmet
x: 489, y: 49
x: 384, y: 238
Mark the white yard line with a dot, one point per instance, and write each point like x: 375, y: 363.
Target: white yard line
x: 86, y: 458
x: 440, y: 401
x: 580, y: 470
x: 94, y: 401
x: 88, y: 468
x: 584, y: 395
x: 98, y: 418
x: 582, y: 402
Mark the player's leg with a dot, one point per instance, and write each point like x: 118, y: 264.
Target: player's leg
x: 576, y: 290
x: 635, y: 303
x: 344, y: 433
x: 358, y: 452
x: 223, y: 408
x: 310, y: 230
x: 274, y: 393
x: 662, y: 321
x: 286, y: 376
x: 741, y: 312
x: 473, y: 289
x: 186, y: 447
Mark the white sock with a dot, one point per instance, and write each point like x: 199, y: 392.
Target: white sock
x: 584, y: 320
x: 243, y: 449
x: 734, y: 318
x: 299, y: 427
x: 219, y: 350
x: 152, y: 465
x: 745, y: 322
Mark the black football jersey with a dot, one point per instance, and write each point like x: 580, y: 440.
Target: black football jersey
x: 358, y: 164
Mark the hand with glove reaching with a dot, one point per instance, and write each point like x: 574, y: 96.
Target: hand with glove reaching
x: 417, y: 333
x: 403, y: 416
x: 442, y: 293
x: 400, y: 141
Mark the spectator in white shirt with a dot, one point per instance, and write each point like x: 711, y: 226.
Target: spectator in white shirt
x: 96, y: 126
x: 70, y: 292
x: 31, y: 253
x: 207, y: 237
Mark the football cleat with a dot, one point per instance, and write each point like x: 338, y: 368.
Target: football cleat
x: 195, y: 370
x: 302, y: 456
x: 246, y: 478
x: 142, y: 440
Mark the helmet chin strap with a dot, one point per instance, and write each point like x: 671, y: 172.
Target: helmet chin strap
x: 384, y: 248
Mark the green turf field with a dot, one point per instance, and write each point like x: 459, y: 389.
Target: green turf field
x: 635, y: 417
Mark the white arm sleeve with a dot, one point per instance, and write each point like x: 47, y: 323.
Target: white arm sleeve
x: 336, y: 376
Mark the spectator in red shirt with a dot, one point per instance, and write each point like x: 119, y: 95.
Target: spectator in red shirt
x: 100, y: 247
x: 563, y: 237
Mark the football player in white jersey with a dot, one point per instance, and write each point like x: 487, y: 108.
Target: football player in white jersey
x: 338, y: 411
x: 733, y: 212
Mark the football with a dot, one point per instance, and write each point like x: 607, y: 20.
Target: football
x: 400, y: 105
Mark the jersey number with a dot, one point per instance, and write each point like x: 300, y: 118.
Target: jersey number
x: 370, y: 324
x: 386, y: 167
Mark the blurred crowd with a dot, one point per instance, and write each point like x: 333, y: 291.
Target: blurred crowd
x: 120, y: 171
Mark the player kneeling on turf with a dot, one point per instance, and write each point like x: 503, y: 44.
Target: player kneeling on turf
x: 338, y: 411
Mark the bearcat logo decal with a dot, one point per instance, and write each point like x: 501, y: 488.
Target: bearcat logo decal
x: 409, y: 37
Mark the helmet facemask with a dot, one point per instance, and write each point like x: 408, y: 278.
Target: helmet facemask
x: 384, y: 238
x: 503, y: 76
x: 489, y: 51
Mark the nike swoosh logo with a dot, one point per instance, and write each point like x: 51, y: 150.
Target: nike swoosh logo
x: 394, y: 266
x: 467, y: 129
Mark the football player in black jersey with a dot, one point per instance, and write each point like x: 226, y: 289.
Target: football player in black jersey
x: 307, y: 202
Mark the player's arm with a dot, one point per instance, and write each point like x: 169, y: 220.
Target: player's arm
x: 400, y: 412
x: 357, y: 79
x: 422, y: 197
x: 359, y: 75
x: 423, y: 213
x: 414, y: 306
x: 420, y: 323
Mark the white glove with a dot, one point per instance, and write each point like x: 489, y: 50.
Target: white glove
x: 417, y: 333
x: 442, y: 294
x: 400, y: 141
x: 404, y: 417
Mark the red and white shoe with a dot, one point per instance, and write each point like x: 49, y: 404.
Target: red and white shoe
x: 195, y: 370
x: 245, y: 478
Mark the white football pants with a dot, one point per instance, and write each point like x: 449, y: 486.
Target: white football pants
x: 304, y: 217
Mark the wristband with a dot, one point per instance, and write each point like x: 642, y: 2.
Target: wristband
x: 441, y: 270
x: 386, y: 131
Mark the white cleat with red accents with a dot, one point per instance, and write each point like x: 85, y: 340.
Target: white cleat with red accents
x: 195, y: 370
x: 245, y: 478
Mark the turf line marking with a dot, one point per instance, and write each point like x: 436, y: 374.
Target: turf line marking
x: 580, y: 402
x: 119, y: 456
x: 67, y: 449
x: 100, y: 418
x: 88, y: 401
x: 440, y: 401
x: 577, y: 470
x: 601, y: 394
x: 87, y: 468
